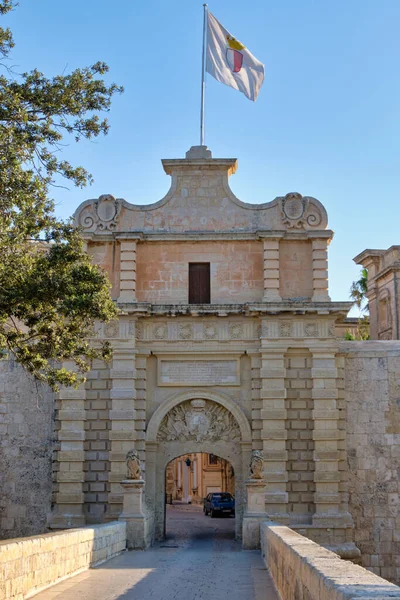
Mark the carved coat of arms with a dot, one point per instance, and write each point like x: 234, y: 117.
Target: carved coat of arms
x: 199, y: 420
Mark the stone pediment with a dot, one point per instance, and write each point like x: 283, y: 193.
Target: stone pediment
x: 200, y: 200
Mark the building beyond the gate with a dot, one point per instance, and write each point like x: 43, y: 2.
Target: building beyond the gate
x: 226, y: 344
x: 383, y: 291
x: 189, y: 478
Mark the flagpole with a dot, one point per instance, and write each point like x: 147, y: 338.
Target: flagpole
x: 203, y: 76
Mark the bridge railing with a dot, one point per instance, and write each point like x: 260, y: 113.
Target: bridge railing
x: 300, y: 568
x: 31, y: 564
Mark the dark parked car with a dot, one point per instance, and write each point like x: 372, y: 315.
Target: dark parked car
x: 219, y: 503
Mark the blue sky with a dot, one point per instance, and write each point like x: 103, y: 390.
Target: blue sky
x: 326, y: 122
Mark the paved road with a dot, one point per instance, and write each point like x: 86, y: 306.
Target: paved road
x: 199, y: 560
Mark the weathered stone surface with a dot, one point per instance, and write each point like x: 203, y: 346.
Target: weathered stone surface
x: 383, y: 291
x: 302, y: 569
x: 26, y: 452
x: 35, y: 563
x: 372, y: 392
x: 198, y: 372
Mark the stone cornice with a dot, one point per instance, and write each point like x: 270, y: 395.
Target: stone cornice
x: 202, y: 236
x: 394, y: 267
x: 224, y: 164
x: 370, y: 348
x: 373, y: 254
x: 301, y: 307
x: 368, y: 254
x: 251, y: 309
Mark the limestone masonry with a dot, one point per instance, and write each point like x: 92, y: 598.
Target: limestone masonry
x: 226, y: 344
x: 383, y: 291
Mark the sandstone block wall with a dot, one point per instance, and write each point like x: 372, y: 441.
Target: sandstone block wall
x: 295, y: 269
x: 97, y: 444
x: 300, y: 443
x: 34, y: 563
x: 372, y: 392
x: 26, y: 452
x: 237, y: 269
x: 301, y: 568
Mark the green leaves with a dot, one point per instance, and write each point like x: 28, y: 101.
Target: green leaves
x: 361, y: 332
x: 50, y: 292
x: 358, y: 290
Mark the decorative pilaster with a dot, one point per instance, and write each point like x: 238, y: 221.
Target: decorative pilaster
x: 326, y: 440
x: 273, y: 433
x: 320, y: 270
x: 127, y: 284
x: 122, y: 416
x: 256, y: 402
x: 271, y: 271
x: 137, y: 521
x: 140, y: 405
x: 255, y: 514
x: 68, y: 511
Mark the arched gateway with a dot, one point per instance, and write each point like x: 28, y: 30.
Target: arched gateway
x: 196, y: 421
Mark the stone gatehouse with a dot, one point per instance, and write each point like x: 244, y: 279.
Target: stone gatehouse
x: 225, y: 311
x: 226, y: 344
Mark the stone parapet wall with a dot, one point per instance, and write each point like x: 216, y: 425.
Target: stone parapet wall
x: 301, y: 568
x: 28, y: 565
x: 372, y: 393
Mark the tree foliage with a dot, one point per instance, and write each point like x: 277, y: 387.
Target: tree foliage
x: 358, y: 291
x: 361, y: 333
x: 50, y: 292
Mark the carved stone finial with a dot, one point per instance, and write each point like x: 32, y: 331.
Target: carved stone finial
x: 133, y: 465
x: 256, y: 465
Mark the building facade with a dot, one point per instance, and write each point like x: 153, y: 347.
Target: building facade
x: 191, y: 477
x: 225, y: 345
x: 383, y: 291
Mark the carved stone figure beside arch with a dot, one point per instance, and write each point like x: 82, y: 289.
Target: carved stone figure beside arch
x: 256, y: 465
x: 134, y: 470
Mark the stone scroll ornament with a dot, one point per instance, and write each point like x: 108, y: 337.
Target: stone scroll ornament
x: 101, y: 214
x: 256, y: 465
x: 133, y: 465
x: 199, y: 420
x: 299, y: 211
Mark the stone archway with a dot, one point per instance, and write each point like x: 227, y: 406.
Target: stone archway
x: 196, y: 421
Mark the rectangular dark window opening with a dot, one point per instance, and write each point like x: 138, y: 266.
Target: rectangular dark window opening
x: 199, y: 283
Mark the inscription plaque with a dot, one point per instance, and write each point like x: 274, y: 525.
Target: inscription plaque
x: 198, y: 372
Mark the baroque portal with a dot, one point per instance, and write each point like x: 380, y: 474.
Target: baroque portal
x: 196, y: 425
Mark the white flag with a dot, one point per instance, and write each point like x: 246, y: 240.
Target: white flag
x: 229, y: 61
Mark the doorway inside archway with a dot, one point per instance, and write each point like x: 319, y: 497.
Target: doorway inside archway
x: 199, y: 497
